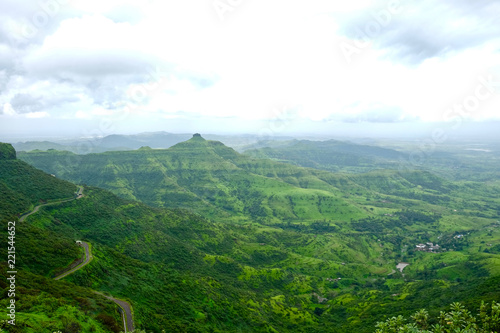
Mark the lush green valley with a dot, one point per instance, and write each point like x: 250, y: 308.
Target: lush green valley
x: 451, y: 160
x: 331, y: 155
x: 200, y: 238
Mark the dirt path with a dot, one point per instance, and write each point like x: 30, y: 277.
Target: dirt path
x: 126, y: 308
x: 402, y: 266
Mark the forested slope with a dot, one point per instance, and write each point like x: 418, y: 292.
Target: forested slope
x: 267, y: 246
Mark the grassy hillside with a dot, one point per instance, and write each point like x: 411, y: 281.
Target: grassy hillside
x: 153, y: 257
x: 204, y: 176
x: 216, y: 181
x: 192, y: 274
x: 450, y: 160
x: 43, y: 305
x: 7, y: 152
x: 331, y: 155
x: 22, y: 186
x: 275, y: 246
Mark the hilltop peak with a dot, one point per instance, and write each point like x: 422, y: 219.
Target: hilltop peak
x: 197, y: 136
x: 196, y: 141
x: 7, y: 152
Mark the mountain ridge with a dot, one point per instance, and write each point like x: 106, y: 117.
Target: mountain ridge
x: 7, y: 152
x: 273, y: 245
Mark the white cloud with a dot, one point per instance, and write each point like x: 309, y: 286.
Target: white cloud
x: 82, y: 115
x: 8, y: 110
x: 262, y: 56
x: 41, y: 114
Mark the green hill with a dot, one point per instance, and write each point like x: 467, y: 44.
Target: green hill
x: 22, y: 186
x: 42, y: 305
x: 450, y: 160
x: 331, y: 155
x: 7, y: 152
x: 265, y: 245
x: 219, y: 278
x: 212, y: 179
x: 207, y: 177
x: 170, y: 264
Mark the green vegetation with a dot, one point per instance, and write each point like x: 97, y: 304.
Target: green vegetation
x: 454, y: 161
x: 45, y: 306
x: 201, y: 238
x: 456, y: 320
x: 7, y: 152
x: 331, y: 155
x: 22, y: 187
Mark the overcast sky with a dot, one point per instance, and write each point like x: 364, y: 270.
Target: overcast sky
x: 97, y: 67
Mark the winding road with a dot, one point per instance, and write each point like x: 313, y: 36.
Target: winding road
x: 88, y: 258
x: 126, y: 308
x: 128, y: 322
x: 79, y: 194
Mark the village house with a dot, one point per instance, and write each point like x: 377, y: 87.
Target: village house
x: 428, y: 247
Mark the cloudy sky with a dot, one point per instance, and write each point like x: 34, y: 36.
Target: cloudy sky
x: 96, y: 67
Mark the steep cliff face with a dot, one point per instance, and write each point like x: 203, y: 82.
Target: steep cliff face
x: 7, y: 152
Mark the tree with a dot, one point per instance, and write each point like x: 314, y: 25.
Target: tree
x: 420, y: 317
x: 457, y: 320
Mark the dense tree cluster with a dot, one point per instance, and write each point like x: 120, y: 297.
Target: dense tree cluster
x: 457, y: 320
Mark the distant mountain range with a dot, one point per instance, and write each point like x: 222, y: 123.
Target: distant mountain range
x: 131, y: 142
x: 455, y: 161
x: 331, y: 155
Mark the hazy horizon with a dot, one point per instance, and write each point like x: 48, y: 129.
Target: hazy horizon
x: 438, y: 133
